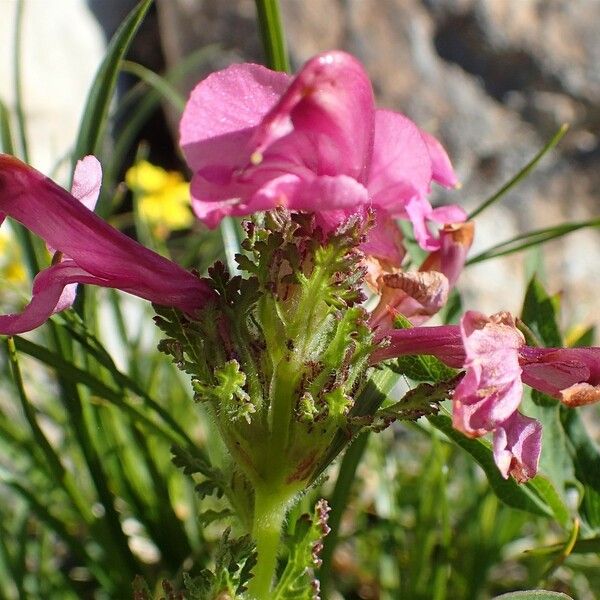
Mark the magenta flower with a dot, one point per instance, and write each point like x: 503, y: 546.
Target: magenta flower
x: 257, y: 139
x: 497, y: 363
x: 91, y: 251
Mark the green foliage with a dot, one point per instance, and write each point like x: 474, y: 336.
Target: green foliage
x: 95, y: 113
x: 539, y: 314
x: 234, y: 561
x: 297, y: 581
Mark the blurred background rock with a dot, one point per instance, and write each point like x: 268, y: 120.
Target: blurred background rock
x: 493, y: 79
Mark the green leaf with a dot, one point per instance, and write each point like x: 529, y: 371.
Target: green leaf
x: 422, y: 367
x: 305, y: 545
x: 422, y: 400
x: 158, y: 83
x: 540, y: 314
x: 69, y: 372
x: 584, y: 546
x: 555, y: 461
x: 534, y: 595
x: 524, y: 497
x: 95, y: 113
x: 586, y: 459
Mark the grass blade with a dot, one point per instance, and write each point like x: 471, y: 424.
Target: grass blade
x: 271, y: 32
x: 522, y: 173
x: 19, y: 109
x: 95, y: 113
x: 6, y: 138
x: 156, y: 82
x: 531, y: 238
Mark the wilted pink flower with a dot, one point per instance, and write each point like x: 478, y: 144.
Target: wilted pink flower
x: 497, y: 363
x: 257, y: 139
x: 91, y: 251
x: 421, y: 294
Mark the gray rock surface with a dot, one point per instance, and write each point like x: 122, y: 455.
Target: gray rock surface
x: 493, y: 79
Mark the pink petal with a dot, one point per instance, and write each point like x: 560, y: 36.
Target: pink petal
x: 442, y: 171
x: 569, y: 374
x: 47, y: 292
x: 491, y: 389
x: 448, y: 214
x: 401, y: 167
x: 222, y: 112
x: 455, y: 242
x: 418, y: 211
x: 444, y: 342
x: 517, y: 447
x: 330, y: 101
x: 384, y: 240
x: 106, y: 255
x: 87, y: 180
x: 320, y: 126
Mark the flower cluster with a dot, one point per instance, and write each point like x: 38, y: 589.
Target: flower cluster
x: 257, y: 140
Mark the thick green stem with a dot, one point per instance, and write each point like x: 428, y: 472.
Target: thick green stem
x: 269, y: 512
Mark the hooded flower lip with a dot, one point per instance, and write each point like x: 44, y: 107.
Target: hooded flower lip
x: 92, y: 251
x: 256, y: 139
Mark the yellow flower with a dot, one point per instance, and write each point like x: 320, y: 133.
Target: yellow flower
x: 11, y: 264
x: 163, y: 197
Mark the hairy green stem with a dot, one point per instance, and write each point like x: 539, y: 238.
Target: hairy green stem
x: 269, y: 512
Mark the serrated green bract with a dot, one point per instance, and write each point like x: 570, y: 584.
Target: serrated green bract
x: 234, y: 561
x: 297, y: 582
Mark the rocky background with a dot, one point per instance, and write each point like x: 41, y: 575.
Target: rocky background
x: 493, y: 79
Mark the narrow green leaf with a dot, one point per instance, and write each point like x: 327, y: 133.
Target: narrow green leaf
x: 19, y: 108
x: 272, y: 35
x: 156, y: 82
x: 556, y: 464
x: 586, y: 458
x: 523, y: 172
x: 6, y: 138
x: 531, y: 238
x: 584, y: 546
x: 53, y: 461
x: 95, y: 113
x: 533, y: 595
x: 74, y: 374
x: 518, y: 496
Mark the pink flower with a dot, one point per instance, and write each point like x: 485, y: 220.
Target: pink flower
x: 419, y: 295
x: 91, y: 251
x: 517, y: 446
x: 497, y: 363
x: 257, y: 139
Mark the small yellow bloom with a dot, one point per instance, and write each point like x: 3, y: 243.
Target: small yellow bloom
x: 11, y: 264
x: 163, y: 197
